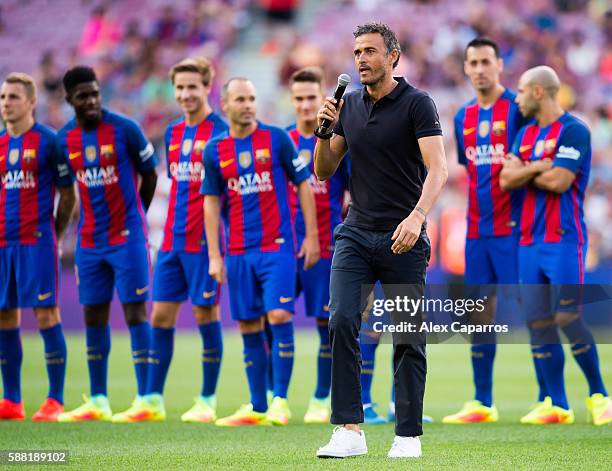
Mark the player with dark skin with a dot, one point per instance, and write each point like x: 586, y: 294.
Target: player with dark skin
x: 87, y: 103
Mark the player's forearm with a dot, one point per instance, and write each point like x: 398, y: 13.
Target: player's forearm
x: 548, y: 181
x: 327, y: 156
x: 212, y: 222
x: 147, y: 188
x: 511, y: 178
x: 432, y: 187
x: 307, y: 203
x: 65, y: 207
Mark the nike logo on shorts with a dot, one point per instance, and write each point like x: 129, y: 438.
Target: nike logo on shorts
x: 42, y: 297
x: 140, y: 291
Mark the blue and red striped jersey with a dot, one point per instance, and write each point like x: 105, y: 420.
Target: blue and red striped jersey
x: 105, y: 163
x: 251, y: 174
x: 329, y: 195
x: 184, y: 228
x: 484, y: 136
x: 30, y: 170
x: 548, y: 216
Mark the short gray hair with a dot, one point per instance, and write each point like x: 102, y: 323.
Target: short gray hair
x: 387, y: 34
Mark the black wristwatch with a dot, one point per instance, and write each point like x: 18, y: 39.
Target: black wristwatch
x: 324, y: 136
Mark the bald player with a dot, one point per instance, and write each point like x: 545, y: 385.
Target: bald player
x: 551, y: 159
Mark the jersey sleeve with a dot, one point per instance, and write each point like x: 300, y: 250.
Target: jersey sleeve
x: 61, y: 170
x: 425, y: 118
x: 458, y: 125
x: 574, y: 146
x: 167, y: 137
x: 294, y: 167
x: 62, y: 175
x: 212, y: 183
x: 140, y: 148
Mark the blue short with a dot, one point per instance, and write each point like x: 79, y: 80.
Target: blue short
x: 260, y: 282
x: 551, y: 275
x: 100, y: 269
x: 29, y: 276
x: 179, y: 275
x: 314, y: 283
x: 491, y: 260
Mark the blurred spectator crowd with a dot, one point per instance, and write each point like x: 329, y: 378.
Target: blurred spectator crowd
x: 133, y: 47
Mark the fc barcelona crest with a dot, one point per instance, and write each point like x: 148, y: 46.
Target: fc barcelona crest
x: 262, y: 155
x: 29, y: 154
x: 13, y: 156
x: 90, y: 153
x: 106, y: 151
x: 549, y: 146
x: 245, y: 159
x: 484, y: 128
x: 499, y: 127
x: 306, y: 156
x: 187, y: 145
x: 198, y: 146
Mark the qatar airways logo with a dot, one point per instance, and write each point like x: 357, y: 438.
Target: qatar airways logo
x: 97, y: 176
x: 486, y: 154
x: 187, y: 171
x: 317, y: 187
x: 18, y: 180
x: 251, y: 183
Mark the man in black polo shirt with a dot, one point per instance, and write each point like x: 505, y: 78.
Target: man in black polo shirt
x: 393, y: 133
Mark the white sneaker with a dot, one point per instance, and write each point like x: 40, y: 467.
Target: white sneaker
x: 405, y: 447
x: 344, y: 443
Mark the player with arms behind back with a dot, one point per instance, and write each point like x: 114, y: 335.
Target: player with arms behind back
x: 106, y: 153
x: 484, y: 131
x: 30, y: 170
x: 306, y: 86
x: 181, y: 270
x: 249, y: 167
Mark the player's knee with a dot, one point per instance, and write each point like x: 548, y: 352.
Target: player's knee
x: 135, y: 313
x: 323, y: 322
x: 9, y: 319
x: 279, y: 316
x: 563, y: 319
x: 96, y: 315
x: 251, y: 326
x: 542, y: 323
x: 206, y: 314
x: 47, y: 317
x: 164, y: 315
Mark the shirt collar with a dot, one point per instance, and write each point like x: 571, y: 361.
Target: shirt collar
x: 399, y: 88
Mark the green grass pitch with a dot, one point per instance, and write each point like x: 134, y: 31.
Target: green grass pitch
x: 174, y: 445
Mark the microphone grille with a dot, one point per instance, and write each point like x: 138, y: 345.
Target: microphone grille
x: 344, y: 79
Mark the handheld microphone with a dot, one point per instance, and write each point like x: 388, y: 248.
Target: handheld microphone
x: 343, y: 81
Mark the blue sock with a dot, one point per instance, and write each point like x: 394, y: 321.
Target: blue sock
x: 483, y: 356
x: 55, y: 356
x: 212, y: 352
x: 162, y: 347
x: 140, y: 337
x: 11, y: 357
x: 323, y: 363
x: 98, y: 347
x: 585, y: 354
x: 282, y: 357
x: 270, y: 369
x: 368, y: 351
x: 552, y: 360
x: 542, y: 391
x: 255, y: 362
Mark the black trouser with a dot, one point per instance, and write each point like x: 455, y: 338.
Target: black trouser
x: 362, y: 257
